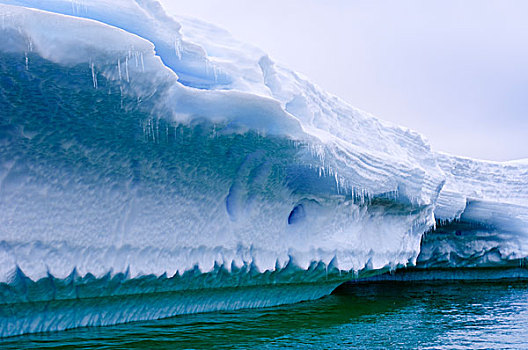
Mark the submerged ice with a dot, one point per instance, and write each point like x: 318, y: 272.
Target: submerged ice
x: 156, y: 160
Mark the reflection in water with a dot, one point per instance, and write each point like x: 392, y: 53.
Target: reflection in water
x: 375, y: 315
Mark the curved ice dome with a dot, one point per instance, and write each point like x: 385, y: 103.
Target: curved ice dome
x: 143, y: 153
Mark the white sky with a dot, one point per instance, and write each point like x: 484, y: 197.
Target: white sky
x: 456, y: 71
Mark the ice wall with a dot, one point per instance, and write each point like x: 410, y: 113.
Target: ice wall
x: 482, y: 215
x: 330, y: 180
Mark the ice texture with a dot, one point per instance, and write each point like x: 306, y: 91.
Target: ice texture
x: 481, y: 213
x: 143, y: 153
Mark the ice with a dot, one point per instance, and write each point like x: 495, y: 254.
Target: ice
x: 145, y: 153
x: 65, y: 314
x: 482, y: 214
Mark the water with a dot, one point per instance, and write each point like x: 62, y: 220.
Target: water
x: 376, y: 315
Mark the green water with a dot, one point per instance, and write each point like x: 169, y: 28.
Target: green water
x: 379, y: 315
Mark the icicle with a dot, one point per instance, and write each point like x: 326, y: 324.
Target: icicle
x: 215, y: 73
x: 126, y: 70
x: 94, y: 76
x: 158, y: 130
x: 78, y: 7
x: 26, y: 60
x: 142, y: 64
x: 178, y: 48
x: 119, y: 68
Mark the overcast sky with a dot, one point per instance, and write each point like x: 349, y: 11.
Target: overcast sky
x: 456, y: 71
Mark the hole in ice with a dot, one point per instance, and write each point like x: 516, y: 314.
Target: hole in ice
x: 297, y: 214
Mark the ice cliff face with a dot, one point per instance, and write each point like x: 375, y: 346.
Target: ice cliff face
x: 144, y: 155
x: 482, y: 215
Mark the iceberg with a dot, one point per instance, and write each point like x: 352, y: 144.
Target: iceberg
x: 152, y: 166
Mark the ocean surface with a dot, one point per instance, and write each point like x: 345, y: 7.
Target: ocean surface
x: 374, y: 315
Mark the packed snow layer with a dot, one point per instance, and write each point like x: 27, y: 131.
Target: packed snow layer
x: 144, y: 154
